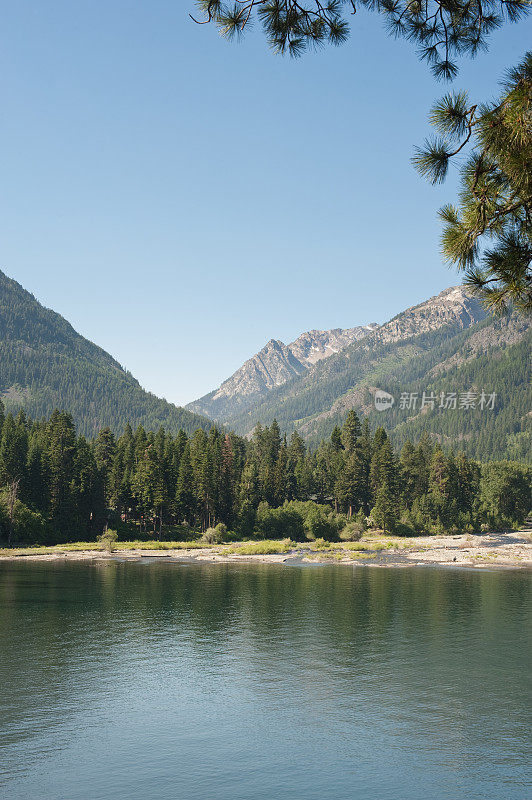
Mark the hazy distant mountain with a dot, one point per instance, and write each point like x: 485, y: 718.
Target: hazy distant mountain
x: 447, y: 343
x: 272, y: 367
x: 318, y: 363
x: 45, y: 364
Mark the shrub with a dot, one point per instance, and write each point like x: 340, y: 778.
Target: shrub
x: 322, y: 544
x: 403, y: 529
x: 277, y: 523
x: 29, y: 525
x: 212, y: 536
x: 319, y: 525
x: 108, y: 539
x: 221, y: 530
x: 352, y: 532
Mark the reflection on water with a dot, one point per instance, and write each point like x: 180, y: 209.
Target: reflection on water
x: 153, y: 680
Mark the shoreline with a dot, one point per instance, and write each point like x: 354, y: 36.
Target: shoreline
x: 512, y: 550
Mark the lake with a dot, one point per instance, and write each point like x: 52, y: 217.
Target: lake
x: 165, y: 681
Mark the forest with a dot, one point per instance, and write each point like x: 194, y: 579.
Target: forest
x: 44, y: 364
x: 57, y: 486
x: 446, y: 359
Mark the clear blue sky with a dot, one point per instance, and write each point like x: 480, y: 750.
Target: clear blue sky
x: 181, y: 200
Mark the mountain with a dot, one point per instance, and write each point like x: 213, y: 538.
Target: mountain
x: 490, y: 357
x: 314, y: 346
x: 272, y: 367
x: 448, y: 344
x: 298, y: 380
x: 445, y: 344
x: 45, y: 364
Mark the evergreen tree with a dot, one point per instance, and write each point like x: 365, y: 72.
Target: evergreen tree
x: 296, y: 449
x: 226, y: 489
x: 383, y: 468
x: 105, y: 452
x: 185, y: 499
x: 365, y: 454
x: 87, y: 490
x: 351, y: 430
x: 384, y: 512
x: 64, y: 486
x: 467, y: 483
x: 495, y: 192
x: 350, y: 485
x: 37, y: 476
x: 148, y: 486
x: 442, y: 31
x: 61, y: 452
x: 248, y: 498
x: 282, y: 486
x: 336, y: 438
x: 408, y: 468
x: 13, y: 451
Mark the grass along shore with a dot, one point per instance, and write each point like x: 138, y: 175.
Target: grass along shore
x: 509, y: 549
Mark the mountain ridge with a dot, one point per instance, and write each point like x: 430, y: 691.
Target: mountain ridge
x: 446, y: 341
x: 230, y: 404
x: 273, y: 366
x: 46, y: 364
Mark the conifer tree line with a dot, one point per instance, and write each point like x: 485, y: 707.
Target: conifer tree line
x: 57, y: 486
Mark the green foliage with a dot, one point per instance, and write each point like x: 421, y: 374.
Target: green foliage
x: 29, y: 526
x: 276, y: 523
x: 403, y: 529
x: 384, y: 512
x: 441, y: 30
x: 505, y: 494
x: 495, y: 189
x: 45, y: 364
x: 108, y: 540
x: 319, y: 521
x: 262, y: 548
x: 211, y: 536
x: 58, y: 487
x: 492, y: 355
x: 215, y: 535
x: 300, y: 520
x: 352, y: 532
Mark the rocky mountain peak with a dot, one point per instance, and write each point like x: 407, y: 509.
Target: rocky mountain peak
x: 275, y: 365
x: 452, y: 305
x: 278, y: 365
x: 313, y: 346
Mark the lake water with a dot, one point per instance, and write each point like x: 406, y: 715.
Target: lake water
x: 236, y: 682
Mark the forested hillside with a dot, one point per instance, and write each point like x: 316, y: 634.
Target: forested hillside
x: 492, y: 357
x: 413, y: 354
x: 408, y: 333
x: 45, y: 364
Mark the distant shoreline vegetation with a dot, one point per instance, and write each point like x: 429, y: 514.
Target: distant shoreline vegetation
x: 56, y: 486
